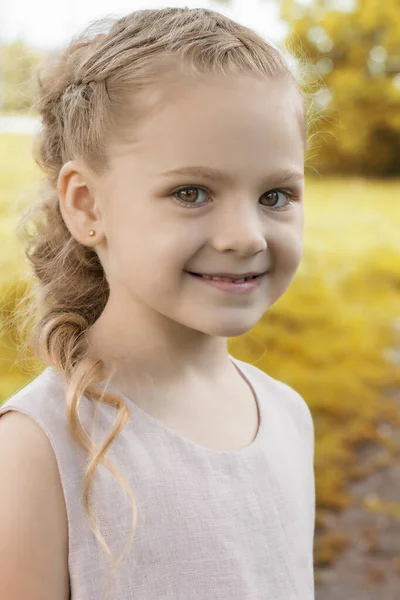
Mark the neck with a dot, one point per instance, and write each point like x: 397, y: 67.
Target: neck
x: 161, y: 348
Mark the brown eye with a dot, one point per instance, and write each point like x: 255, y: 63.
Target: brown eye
x: 270, y: 194
x: 276, y: 192
x: 187, y: 196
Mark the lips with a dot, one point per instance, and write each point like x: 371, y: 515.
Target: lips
x: 228, y: 279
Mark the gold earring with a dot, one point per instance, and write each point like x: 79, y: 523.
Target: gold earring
x: 91, y: 232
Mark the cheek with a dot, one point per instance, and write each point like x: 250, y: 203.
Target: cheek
x: 295, y: 253
x: 289, y: 255
x: 152, y: 257
x: 286, y: 248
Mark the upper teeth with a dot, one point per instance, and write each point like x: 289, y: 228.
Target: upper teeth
x: 227, y: 278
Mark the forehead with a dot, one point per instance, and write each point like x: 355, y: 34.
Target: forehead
x: 236, y: 122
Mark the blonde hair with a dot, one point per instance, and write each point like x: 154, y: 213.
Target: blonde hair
x: 85, y: 93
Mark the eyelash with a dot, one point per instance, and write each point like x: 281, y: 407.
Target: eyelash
x: 288, y: 194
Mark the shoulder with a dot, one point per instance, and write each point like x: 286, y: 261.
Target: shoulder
x: 44, y: 390
x: 39, y: 407
x: 32, y: 509
x: 26, y: 451
x: 294, y: 402
x: 21, y: 431
x: 44, y: 399
x: 287, y: 398
x: 39, y: 410
x: 48, y: 379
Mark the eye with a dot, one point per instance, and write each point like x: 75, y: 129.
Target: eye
x: 189, y: 196
x: 285, y: 193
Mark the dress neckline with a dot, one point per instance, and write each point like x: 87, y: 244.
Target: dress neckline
x: 245, y: 452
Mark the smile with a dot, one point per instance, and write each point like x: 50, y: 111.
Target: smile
x: 225, y: 284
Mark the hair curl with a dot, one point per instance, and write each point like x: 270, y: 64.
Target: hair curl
x: 82, y: 98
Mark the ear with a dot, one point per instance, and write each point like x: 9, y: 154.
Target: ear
x: 77, y: 201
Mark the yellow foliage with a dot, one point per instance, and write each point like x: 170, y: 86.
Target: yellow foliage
x: 351, y: 59
x: 330, y: 545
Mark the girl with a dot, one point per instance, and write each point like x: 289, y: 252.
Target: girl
x: 173, y: 146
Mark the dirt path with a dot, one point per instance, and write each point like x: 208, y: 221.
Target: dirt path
x: 369, y: 568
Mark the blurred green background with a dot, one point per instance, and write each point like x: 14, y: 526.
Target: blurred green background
x: 335, y: 335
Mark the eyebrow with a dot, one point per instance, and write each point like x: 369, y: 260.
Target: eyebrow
x: 282, y: 175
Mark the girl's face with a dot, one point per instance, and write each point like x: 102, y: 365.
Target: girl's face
x: 238, y: 214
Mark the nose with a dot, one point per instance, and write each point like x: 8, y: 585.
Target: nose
x: 241, y: 231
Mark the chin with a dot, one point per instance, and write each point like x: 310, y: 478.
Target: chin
x: 233, y: 331
x: 227, y: 329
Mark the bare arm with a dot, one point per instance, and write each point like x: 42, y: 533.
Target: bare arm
x: 33, y: 519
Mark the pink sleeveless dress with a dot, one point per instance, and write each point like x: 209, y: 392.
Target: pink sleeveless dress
x: 212, y: 525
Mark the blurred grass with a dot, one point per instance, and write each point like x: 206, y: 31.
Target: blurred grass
x: 328, y: 336
x: 18, y: 168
